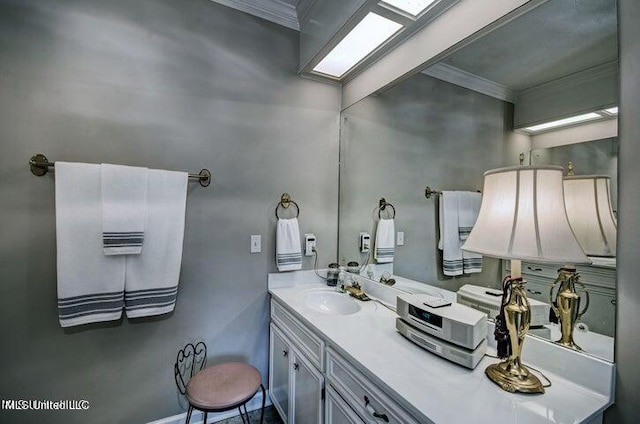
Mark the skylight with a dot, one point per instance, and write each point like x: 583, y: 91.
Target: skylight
x: 363, y: 39
x: 412, y: 7
x: 564, y: 122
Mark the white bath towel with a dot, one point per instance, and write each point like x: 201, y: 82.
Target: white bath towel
x: 468, y: 210
x: 90, y: 284
x: 453, y: 232
x: 124, y: 208
x: 288, y: 248
x: 385, y: 241
x: 151, y: 285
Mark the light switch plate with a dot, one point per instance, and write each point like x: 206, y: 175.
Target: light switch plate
x: 400, y: 238
x: 256, y: 244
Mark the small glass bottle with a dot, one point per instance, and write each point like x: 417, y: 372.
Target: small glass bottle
x: 341, y: 280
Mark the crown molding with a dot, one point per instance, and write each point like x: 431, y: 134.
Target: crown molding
x: 277, y: 11
x: 453, y: 75
x: 586, y: 76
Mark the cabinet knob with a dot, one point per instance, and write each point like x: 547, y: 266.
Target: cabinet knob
x: 613, y: 302
x: 373, y: 412
x: 285, y: 352
x: 295, y: 366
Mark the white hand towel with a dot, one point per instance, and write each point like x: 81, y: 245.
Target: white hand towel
x: 288, y: 248
x: 453, y: 232
x: 90, y: 284
x: 449, y: 234
x: 124, y: 208
x: 152, y: 277
x: 468, y: 209
x: 385, y: 241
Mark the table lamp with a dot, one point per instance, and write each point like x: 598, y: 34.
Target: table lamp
x: 522, y: 217
x: 588, y: 204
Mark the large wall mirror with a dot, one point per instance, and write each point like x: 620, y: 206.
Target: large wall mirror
x: 445, y: 126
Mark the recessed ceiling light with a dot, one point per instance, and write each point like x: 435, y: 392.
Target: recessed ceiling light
x: 364, y: 38
x: 612, y: 110
x: 413, y: 7
x: 563, y: 122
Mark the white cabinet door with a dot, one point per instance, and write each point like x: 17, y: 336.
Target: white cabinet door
x: 279, y: 353
x: 306, y: 391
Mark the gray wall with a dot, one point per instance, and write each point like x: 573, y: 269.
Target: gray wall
x: 171, y: 84
x: 627, y: 345
x: 421, y: 132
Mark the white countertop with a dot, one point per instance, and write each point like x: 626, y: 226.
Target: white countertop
x: 428, y: 386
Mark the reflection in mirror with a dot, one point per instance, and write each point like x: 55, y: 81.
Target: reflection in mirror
x: 598, y: 157
x: 446, y: 126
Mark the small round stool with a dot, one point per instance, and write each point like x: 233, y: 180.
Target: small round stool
x: 223, y: 387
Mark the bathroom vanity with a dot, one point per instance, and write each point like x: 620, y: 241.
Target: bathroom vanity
x: 337, y: 360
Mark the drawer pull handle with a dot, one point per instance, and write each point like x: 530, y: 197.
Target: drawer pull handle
x: 296, y: 366
x: 534, y: 269
x: 533, y: 291
x: 285, y: 352
x: 373, y: 412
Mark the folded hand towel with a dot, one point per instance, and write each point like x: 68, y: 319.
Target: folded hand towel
x: 468, y: 209
x: 385, y: 241
x: 151, y: 286
x: 288, y: 249
x: 90, y: 284
x: 124, y: 208
x: 455, y: 261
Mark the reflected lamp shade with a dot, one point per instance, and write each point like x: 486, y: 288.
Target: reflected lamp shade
x: 588, y: 203
x: 523, y: 217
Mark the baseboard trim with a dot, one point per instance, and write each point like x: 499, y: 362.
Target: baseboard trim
x: 197, y: 416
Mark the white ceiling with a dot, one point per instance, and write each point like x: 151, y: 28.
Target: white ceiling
x: 559, y: 38
x: 556, y: 39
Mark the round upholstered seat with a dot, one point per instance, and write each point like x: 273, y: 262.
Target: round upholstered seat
x: 224, y: 386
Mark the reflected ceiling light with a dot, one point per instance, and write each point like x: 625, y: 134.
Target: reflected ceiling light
x: 612, y: 110
x: 363, y: 39
x: 412, y: 7
x: 564, y: 122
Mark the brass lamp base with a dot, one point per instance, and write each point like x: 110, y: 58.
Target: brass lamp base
x: 512, y: 378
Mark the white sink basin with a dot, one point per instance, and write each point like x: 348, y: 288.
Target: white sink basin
x: 330, y: 302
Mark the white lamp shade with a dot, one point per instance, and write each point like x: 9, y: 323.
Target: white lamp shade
x: 588, y: 203
x: 523, y: 217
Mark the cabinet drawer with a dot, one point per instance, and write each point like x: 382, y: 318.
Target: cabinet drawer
x: 307, y: 342
x: 337, y: 411
x: 591, y: 275
x: 368, y: 401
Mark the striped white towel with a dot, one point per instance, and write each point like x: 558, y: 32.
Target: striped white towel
x: 151, y: 286
x: 455, y: 261
x: 124, y: 208
x: 385, y: 241
x: 468, y: 210
x: 90, y: 284
x: 288, y: 248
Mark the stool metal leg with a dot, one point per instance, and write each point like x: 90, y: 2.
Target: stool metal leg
x: 205, y: 418
x: 241, y: 415
x: 264, y: 399
x: 247, y: 414
x: 189, y: 414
